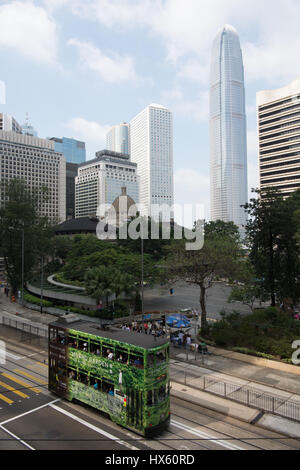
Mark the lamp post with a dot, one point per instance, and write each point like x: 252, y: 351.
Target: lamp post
x: 42, y: 283
x: 142, y: 268
x: 22, y: 267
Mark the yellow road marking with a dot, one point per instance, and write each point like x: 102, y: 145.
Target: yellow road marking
x: 8, y: 387
x: 20, y: 382
x: 8, y: 400
x: 32, y: 377
x: 41, y: 364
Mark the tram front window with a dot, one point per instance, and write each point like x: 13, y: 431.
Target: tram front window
x: 150, y: 361
x: 160, y: 357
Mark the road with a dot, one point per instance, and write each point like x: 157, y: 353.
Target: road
x: 187, y: 296
x: 33, y: 418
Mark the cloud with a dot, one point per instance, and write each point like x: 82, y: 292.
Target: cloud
x: 192, y: 187
x: 197, y: 108
x: 91, y: 132
x: 28, y: 29
x: 188, y: 29
x: 252, y: 144
x: 112, y: 69
x: 253, y: 176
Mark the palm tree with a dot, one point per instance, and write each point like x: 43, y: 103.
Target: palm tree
x: 99, y: 282
x: 124, y: 283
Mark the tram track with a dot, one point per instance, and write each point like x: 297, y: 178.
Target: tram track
x: 183, y: 411
x: 233, y: 426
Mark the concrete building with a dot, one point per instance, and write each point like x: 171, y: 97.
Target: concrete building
x: 100, y: 181
x: 71, y: 173
x: 228, y: 144
x: 9, y: 124
x: 278, y: 117
x: 118, y: 138
x: 74, y: 150
x: 151, y: 148
x: 35, y: 160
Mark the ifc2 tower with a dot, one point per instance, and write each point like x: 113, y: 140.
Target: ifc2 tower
x: 228, y: 141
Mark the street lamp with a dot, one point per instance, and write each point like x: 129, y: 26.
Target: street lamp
x: 22, y: 266
x: 142, y: 267
x: 42, y: 283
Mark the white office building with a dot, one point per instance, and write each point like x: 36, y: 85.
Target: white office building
x: 8, y: 123
x: 118, y: 138
x: 35, y: 161
x: 101, y: 180
x: 228, y: 141
x: 151, y: 148
x: 278, y: 117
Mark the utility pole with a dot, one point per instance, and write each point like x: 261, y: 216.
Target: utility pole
x: 22, y: 266
x: 142, y: 276
x: 42, y: 283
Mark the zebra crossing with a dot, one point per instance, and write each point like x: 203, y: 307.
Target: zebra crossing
x: 18, y: 384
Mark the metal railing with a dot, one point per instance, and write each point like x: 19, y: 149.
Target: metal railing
x: 25, y: 326
x: 249, y: 396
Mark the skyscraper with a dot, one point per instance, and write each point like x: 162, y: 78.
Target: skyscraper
x: 9, y: 124
x: 278, y: 117
x: 73, y: 150
x: 228, y: 141
x: 151, y: 147
x: 35, y: 161
x: 117, y: 138
x: 100, y: 181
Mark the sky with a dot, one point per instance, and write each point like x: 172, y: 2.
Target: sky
x: 79, y: 67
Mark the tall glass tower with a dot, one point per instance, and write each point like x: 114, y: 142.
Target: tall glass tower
x: 228, y: 141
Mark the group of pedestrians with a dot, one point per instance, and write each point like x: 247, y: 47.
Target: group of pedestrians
x: 148, y: 328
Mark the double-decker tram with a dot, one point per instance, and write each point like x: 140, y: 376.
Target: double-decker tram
x: 122, y: 373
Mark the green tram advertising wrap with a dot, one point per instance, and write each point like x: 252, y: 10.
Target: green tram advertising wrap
x: 122, y: 373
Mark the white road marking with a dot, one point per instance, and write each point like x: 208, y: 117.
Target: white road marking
x: 30, y: 411
x: 13, y: 356
x: 16, y: 437
x: 205, y: 436
x: 94, y: 428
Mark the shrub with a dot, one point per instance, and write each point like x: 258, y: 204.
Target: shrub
x: 32, y: 299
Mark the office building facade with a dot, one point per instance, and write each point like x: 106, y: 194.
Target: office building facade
x: 35, y: 161
x: 278, y: 117
x: 71, y: 174
x: 118, y: 138
x: 100, y: 181
x: 73, y: 150
x: 228, y: 141
x: 9, y: 124
x: 151, y: 148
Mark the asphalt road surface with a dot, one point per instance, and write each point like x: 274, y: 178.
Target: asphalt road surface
x: 187, y: 296
x: 32, y: 418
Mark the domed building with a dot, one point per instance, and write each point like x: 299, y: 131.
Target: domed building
x: 122, y: 209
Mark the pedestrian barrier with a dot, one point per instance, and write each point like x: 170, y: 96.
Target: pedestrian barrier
x: 246, y: 395
x: 24, y: 326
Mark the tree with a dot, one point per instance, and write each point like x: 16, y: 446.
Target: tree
x: 249, y: 289
x: 99, y: 282
x: 274, y: 253
x: 218, y: 256
x: 21, y: 220
x: 223, y: 229
x: 123, y: 284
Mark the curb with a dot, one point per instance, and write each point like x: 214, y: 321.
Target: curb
x: 255, y: 413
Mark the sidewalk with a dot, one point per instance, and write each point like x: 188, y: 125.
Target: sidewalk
x: 223, y: 364
x: 235, y: 410
x: 228, y: 368
x: 232, y: 368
